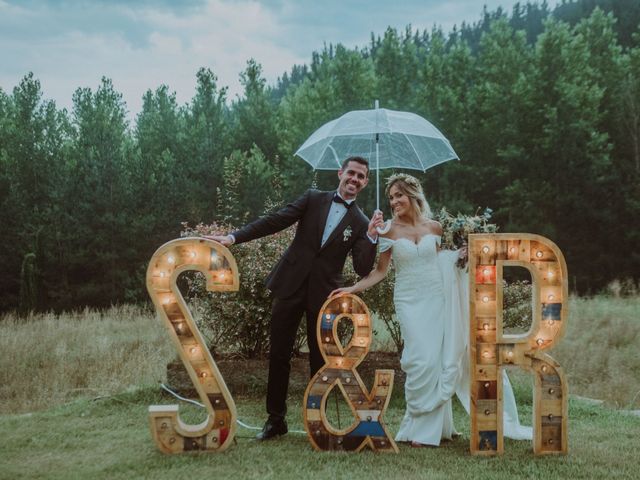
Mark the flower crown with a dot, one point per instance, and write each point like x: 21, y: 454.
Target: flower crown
x: 406, y: 178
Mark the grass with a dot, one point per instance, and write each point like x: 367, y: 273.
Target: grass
x: 89, y: 377
x: 109, y: 438
x: 47, y: 359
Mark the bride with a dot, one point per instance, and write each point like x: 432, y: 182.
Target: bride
x: 431, y: 302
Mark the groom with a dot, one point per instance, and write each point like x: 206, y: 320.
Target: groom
x: 330, y: 225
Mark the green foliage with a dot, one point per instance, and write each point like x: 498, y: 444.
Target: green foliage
x: 542, y: 105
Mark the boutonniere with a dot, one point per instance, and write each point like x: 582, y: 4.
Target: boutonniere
x: 346, y: 235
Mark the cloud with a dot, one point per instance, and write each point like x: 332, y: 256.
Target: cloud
x: 143, y: 44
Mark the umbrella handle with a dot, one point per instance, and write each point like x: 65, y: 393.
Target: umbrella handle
x: 385, y: 228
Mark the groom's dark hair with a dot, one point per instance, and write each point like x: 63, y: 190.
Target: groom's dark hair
x: 360, y: 160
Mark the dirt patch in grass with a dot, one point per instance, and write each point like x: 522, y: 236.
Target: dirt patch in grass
x: 248, y: 377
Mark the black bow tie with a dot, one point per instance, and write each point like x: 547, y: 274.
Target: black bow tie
x: 338, y: 199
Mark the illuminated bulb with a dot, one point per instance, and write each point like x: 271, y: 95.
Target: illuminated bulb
x: 345, y: 305
x: 192, y: 254
x: 203, y: 374
x: 167, y: 300
x: 551, y: 391
x: 362, y: 341
x: 325, y: 378
x: 512, y: 249
x: 214, y: 256
x: 327, y: 316
x: 485, y: 326
x: 485, y: 299
x: 486, y: 249
x: 510, y: 353
x: 193, y: 350
x: 485, y: 354
x: 544, y: 368
x: 539, y: 254
x: 348, y: 380
x: 550, y: 323
x: 539, y: 341
x: 180, y: 327
x: 486, y: 385
x: 222, y: 275
x: 162, y: 274
x: 171, y: 259
x: 327, y: 339
x: 339, y: 362
x: 486, y: 271
x: 550, y: 297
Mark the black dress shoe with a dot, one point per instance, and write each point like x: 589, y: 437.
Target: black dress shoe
x: 272, y: 429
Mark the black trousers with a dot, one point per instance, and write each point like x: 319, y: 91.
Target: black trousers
x: 286, y: 314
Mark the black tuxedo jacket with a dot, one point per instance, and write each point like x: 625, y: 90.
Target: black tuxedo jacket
x: 305, y: 257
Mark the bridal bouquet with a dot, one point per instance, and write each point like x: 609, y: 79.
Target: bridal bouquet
x: 457, y: 229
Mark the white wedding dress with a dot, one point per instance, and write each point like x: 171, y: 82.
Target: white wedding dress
x: 431, y: 302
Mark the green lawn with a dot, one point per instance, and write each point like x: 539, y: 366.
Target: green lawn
x: 109, y: 438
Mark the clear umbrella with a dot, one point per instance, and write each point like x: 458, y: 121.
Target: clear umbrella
x: 399, y: 139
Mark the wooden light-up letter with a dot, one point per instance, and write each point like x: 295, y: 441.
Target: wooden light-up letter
x: 491, y: 349
x: 339, y: 371
x: 218, y: 265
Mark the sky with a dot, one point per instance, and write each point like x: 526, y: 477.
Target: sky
x: 142, y: 44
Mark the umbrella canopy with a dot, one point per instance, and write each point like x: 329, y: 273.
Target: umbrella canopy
x: 405, y: 140
x: 399, y: 140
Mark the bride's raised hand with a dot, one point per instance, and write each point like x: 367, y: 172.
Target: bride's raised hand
x: 342, y: 291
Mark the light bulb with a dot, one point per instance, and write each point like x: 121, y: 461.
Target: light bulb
x: 193, y: 350
x: 362, y: 341
x: 345, y: 305
x: 486, y: 271
x: 162, y: 274
x: 486, y: 384
x: 167, y: 300
x: 327, y: 339
x: 485, y: 299
x: 486, y: 249
x: 339, y: 362
x: 192, y: 254
x: 222, y: 275
x: 550, y: 274
x: 485, y: 326
x: 485, y: 354
x: 539, y: 341
x: 510, y: 353
x: 544, y: 368
x: 550, y: 297
x: 203, y: 374
x: 539, y: 254
x: 325, y: 378
x: 512, y: 250
x: 327, y: 316
x: 171, y: 259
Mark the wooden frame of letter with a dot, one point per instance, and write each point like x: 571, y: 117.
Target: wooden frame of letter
x: 339, y: 371
x: 491, y: 349
x: 170, y: 433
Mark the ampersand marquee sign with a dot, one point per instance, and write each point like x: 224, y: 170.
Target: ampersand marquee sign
x: 339, y: 371
x: 491, y: 349
x: 216, y: 433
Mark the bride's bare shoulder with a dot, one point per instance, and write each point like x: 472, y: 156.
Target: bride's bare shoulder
x: 435, y: 227
x: 392, y: 232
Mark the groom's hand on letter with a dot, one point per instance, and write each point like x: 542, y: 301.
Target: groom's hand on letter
x: 225, y: 240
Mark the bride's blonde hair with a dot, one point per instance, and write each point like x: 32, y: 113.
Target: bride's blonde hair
x: 410, y: 186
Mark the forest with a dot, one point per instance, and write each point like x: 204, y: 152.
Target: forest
x: 541, y: 104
